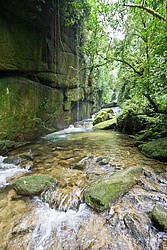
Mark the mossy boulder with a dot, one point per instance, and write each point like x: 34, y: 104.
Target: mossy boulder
x: 110, y: 124
x: 143, y: 136
x: 103, y: 115
x: 102, y: 194
x: 132, y: 123
x: 33, y: 185
x: 153, y: 132
x: 156, y: 149
x: 159, y: 215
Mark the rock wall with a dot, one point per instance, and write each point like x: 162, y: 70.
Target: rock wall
x: 41, y: 84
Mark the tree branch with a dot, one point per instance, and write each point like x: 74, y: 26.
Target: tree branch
x: 140, y: 73
x: 147, y: 9
x: 154, y: 105
x: 110, y: 60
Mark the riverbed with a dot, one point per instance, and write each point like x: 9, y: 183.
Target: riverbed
x: 77, y: 157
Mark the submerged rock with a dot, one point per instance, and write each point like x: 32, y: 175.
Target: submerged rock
x: 93, y: 234
x: 159, y: 215
x: 16, y: 159
x: 132, y: 222
x: 69, y: 190
x: 100, y: 195
x: 156, y: 149
x: 33, y: 185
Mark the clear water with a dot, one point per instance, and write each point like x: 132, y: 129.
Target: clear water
x: 60, y: 219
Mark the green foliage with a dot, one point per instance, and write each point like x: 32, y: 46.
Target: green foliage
x: 102, y: 194
x: 75, y: 12
x: 144, y: 47
x: 126, y: 49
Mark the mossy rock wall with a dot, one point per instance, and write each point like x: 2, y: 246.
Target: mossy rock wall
x: 28, y: 108
x: 39, y: 70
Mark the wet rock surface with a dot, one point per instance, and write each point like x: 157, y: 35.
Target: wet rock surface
x: 159, y: 215
x: 103, y: 115
x: 33, y: 185
x: 110, y: 124
x: 102, y: 194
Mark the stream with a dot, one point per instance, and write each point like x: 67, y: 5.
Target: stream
x: 60, y: 219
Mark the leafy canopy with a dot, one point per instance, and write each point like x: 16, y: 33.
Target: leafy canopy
x: 130, y: 38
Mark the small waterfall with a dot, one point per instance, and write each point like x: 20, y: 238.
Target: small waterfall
x: 63, y: 199
x: 78, y: 70
x: 55, y: 229
x: 78, y: 127
x: 8, y: 170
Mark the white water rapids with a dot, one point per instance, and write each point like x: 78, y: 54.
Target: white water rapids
x: 8, y: 170
x: 55, y: 226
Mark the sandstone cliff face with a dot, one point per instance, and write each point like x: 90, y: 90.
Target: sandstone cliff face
x: 40, y: 60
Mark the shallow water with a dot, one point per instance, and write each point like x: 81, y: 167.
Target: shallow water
x: 60, y: 219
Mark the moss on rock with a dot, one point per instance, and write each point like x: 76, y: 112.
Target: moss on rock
x: 6, y: 146
x: 102, y: 194
x: 28, y: 109
x: 132, y: 123
x: 74, y: 95
x: 103, y: 115
x: 159, y: 215
x: 156, y: 149
x: 33, y: 185
x: 110, y: 124
x: 17, y: 159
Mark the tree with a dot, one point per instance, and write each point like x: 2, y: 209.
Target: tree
x: 142, y: 49
x: 149, y: 10
x: 152, y: 49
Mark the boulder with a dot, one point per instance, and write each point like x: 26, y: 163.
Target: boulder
x: 156, y: 149
x: 132, y: 123
x: 153, y: 132
x: 159, y: 215
x: 33, y: 185
x: 102, y: 194
x: 110, y: 124
x: 103, y: 115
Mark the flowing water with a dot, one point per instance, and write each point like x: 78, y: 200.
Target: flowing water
x: 59, y: 219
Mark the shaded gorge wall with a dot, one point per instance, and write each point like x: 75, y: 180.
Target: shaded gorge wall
x: 41, y: 84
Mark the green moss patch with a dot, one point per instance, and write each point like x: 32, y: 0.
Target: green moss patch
x: 33, y: 185
x: 103, y: 115
x: 37, y: 110
x: 156, y: 149
x: 110, y: 124
x: 159, y: 215
x: 102, y: 194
